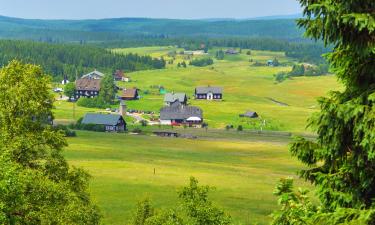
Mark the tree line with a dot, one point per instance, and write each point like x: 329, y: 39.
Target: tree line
x: 72, y: 60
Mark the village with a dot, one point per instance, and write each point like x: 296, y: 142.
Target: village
x: 176, y: 110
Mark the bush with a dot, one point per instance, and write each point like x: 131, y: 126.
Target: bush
x: 89, y: 127
x: 239, y: 128
x: 137, y: 130
x: 93, y: 103
x: 144, y: 123
x: 65, y: 129
x: 202, y: 62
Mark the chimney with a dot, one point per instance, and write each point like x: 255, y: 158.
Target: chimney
x: 123, y: 108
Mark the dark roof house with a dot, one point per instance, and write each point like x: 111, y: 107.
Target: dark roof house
x: 179, y: 113
x: 209, y: 93
x: 170, y: 98
x: 111, y: 122
x: 250, y: 114
x: 231, y: 52
x: 87, y: 87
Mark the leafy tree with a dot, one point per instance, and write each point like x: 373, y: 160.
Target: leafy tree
x: 108, y: 89
x: 183, y: 64
x: 202, y: 62
x: 36, y: 182
x: 199, y: 207
x: 341, y: 163
x: 195, y: 209
x: 220, y: 55
x: 69, y: 89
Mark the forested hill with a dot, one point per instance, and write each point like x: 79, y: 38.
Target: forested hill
x: 118, y: 29
x: 71, y: 60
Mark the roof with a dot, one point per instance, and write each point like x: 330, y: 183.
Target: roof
x: 250, y: 114
x: 177, y: 111
x: 92, y: 74
x: 231, y: 51
x: 87, y: 84
x: 101, y: 119
x: 172, y: 97
x: 206, y: 90
x: 119, y: 74
x: 129, y: 93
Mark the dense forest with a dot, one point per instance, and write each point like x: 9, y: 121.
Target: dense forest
x: 123, y: 28
x: 71, y: 60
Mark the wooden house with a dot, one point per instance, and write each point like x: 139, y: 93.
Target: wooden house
x: 87, y: 87
x: 130, y: 94
x: 177, y: 114
x: 209, y: 93
x: 110, y: 122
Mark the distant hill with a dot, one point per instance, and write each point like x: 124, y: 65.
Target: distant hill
x: 118, y: 29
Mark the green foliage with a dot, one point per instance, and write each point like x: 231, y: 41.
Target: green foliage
x: 202, y: 62
x: 240, y: 128
x: 296, y: 208
x: 67, y: 59
x: 195, y: 209
x: 342, y: 160
x: 108, y: 89
x: 96, y: 102
x: 220, y: 55
x: 69, y: 89
x: 36, y: 182
x: 68, y: 132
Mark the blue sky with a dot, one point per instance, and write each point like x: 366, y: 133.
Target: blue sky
x: 180, y: 9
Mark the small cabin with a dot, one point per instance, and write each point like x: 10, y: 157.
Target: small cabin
x: 110, y: 122
x: 209, y: 93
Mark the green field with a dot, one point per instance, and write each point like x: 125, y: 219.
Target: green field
x: 244, y: 171
x: 243, y: 167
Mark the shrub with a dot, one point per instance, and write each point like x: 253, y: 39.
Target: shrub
x: 65, y: 129
x: 144, y: 123
x: 202, y: 62
x: 239, y: 128
x: 96, y: 102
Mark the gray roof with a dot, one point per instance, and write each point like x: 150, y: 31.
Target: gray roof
x: 101, y: 119
x: 92, y: 74
x: 250, y: 114
x: 172, y: 97
x: 177, y: 111
x: 206, y: 90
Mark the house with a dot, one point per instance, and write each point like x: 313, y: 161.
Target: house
x: 170, y: 98
x: 250, y: 114
x: 177, y: 114
x: 65, y: 80
x: 270, y: 62
x: 119, y: 75
x: 110, y: 122
x: 209, y: 93
x: 231, y: 52
x: 94, y: 75
x: 87, y: 87
x: 130, y: 94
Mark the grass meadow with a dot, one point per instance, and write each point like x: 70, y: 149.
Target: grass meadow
x: 243, y: 170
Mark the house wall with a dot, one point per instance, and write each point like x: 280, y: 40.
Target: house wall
x: 86, y: 94
x: 165, y: 122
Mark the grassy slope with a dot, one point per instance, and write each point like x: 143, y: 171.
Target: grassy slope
x: 244, y: 172
x: 245, y: 88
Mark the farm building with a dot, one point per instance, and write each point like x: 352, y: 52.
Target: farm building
x: 93, y: 75
x: 130, y: 94
x: 177, y: 114
x: 170, y: 98
x: 119, y: 75
x: 110, y: 122
x: 87, y: 87
x: 231, y: 52
x: 250, y: 114
x: 209, y: 93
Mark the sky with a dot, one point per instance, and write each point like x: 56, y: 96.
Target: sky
x: 176, y: 9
